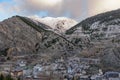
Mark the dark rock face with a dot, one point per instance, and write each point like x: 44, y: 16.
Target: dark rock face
x: 18, y: 37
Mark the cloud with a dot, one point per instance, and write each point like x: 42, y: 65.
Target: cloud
x: 35, y: 6
x: 100, y: 6
x: 63, y: 7
x: 72, y: 8
x: 8, y: 9
x: 76, y: 9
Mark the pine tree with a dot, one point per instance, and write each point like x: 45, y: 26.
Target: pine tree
x: 1, y: 77
x: 19, y: 78
x: 8, y: 77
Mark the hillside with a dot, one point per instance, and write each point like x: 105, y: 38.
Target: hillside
x: 100, y: 27
x: 98, y: 36
x: 20, y: 36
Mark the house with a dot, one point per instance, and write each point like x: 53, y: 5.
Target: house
x: 37, y: 67
x: 16, y: 72
x: 28, y: 78
x: 96, y: 77
x: 27, y: 72
x: 21, y: 63
x: 84, y: 77
x: 112, y: 76
x: 2, y: 59
x: 6, y: 67
x: 89, y: 61
x: 41, y: 77
x: 36, y: 70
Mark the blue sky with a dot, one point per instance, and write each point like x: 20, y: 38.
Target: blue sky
x: 4, y: 0
x: 4, y: 9
x: 75, y: 9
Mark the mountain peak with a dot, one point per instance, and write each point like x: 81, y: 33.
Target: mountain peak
x: 59, y: 24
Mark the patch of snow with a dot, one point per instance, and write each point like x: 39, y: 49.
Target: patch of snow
x: 60, y: 24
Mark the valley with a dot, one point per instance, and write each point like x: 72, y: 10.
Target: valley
x: 33, y: 50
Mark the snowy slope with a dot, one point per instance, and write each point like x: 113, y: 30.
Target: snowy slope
x: 59, y: 24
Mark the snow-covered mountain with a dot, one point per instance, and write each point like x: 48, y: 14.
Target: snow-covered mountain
x: 59, y: 24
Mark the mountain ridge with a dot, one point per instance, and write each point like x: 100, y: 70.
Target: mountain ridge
x: 42, y: 41
x: 91, y: 19
x: 96, y: 37
x: 100, y: 33
x: 59, y: 24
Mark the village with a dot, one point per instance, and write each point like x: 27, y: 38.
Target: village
x: 74, y: 68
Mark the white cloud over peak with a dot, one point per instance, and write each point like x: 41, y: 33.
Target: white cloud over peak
x: 76, y: 9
